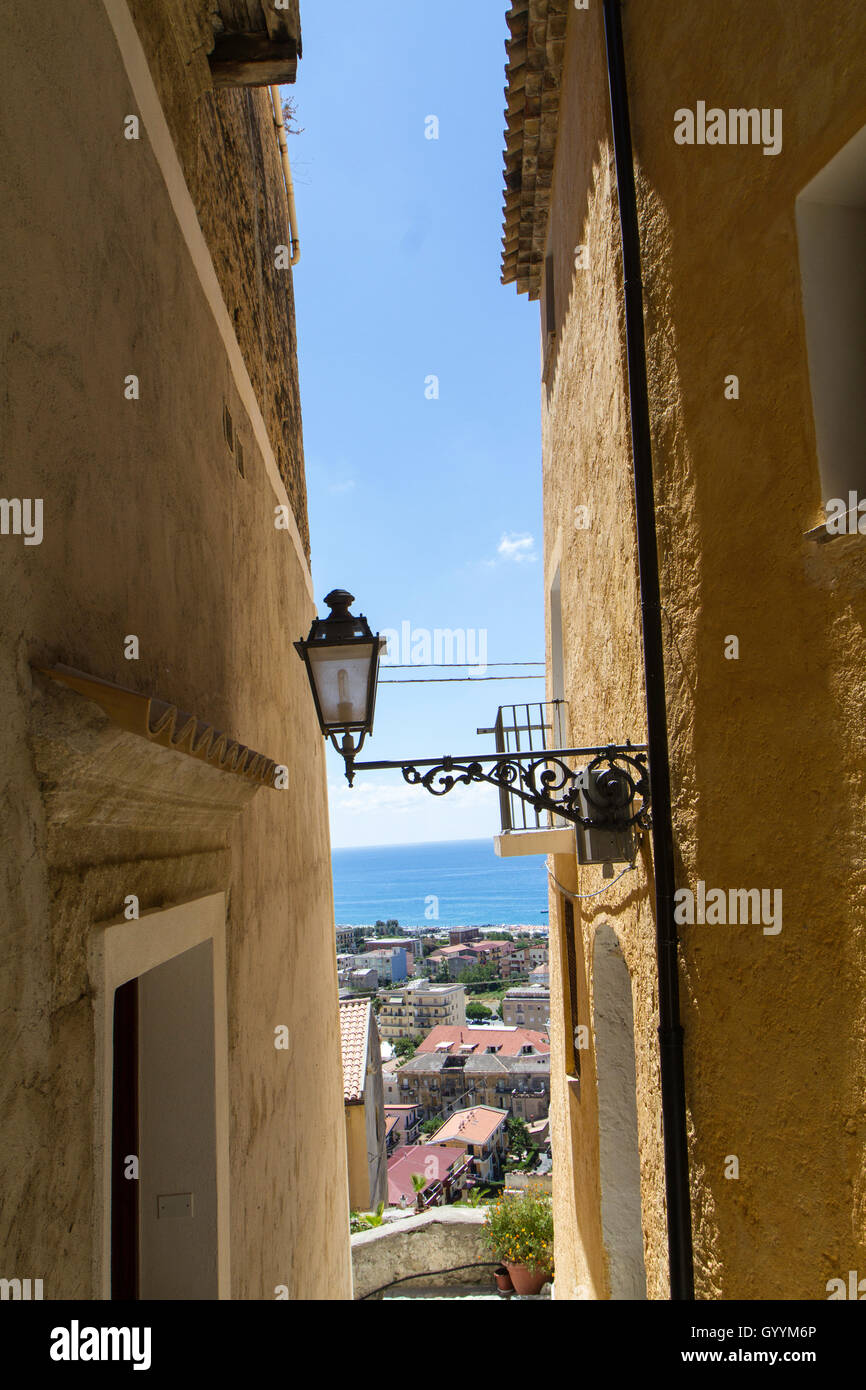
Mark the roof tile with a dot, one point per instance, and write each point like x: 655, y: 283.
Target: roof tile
x: 536, y: 50
x: 354, y: 1038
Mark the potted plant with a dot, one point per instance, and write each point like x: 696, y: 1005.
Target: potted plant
x: 519, y: 1230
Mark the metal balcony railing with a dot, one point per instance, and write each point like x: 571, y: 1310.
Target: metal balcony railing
x: 529, y: 728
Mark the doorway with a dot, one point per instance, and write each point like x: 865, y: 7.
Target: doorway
x: 162, y: 1103
x: 622, y: 1228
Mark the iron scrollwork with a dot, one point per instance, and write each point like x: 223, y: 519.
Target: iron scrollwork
x: 612, y: 791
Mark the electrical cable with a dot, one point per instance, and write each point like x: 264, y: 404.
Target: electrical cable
x: 426, y: 1274
x: 443, y: 680
x: 576, y: 897
x: 444, y: 665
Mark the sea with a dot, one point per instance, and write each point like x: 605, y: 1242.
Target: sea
x: 445, y: 883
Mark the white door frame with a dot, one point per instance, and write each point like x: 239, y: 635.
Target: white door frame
x: 119, y: 952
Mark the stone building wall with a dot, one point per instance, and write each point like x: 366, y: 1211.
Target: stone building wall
x: 768, y: 750
x: 150, y: 529
x: 227, y: 146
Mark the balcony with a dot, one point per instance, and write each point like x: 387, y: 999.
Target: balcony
x: 526, y: 728
x: 530, y: 728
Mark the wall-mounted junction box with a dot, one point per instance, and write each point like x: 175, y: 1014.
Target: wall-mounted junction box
x: 604, y: 794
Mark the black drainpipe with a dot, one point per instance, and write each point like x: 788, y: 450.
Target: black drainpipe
x: 670, y: 1029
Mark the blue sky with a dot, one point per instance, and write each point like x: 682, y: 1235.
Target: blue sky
x: 428, y: 510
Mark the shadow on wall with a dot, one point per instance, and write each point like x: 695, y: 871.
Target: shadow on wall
x: 617, y: 1118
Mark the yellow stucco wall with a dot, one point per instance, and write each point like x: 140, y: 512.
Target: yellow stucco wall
x: 359, y: 1164
x: 767, y: 751
x: 149, y: 529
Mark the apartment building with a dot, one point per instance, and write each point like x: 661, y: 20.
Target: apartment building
x: 454, y: 959
x: 349, y: 940
x: 457, y: 936
x: 390, y: 965
x: 446, y: 1169
x: 499, y: 954
x: 409, y: 944
x: 403, y: 1123
x: 419, y: 1007
x: 506, y: 1042
x: 481, y: 1132
x: 526, y: 1006
x: 440, y: 1082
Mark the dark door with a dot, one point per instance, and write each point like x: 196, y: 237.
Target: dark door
x: 124, y: 1145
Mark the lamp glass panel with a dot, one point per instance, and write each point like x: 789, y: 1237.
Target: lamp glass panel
x: 342, y: 676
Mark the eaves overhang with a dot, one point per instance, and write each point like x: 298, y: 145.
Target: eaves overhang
x: 536, y: 51
x: 256, y: 43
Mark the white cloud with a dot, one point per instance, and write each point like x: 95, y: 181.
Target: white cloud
x: 518, y: 546
x: 372, y: 813
x: 366, y: 797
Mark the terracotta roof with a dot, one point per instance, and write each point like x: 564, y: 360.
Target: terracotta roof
x: 414, y: 1158
x: 509, y: 1041
x: 354, y: 1042
x: 478, y: 1064
x: 534, y: 70
x: 475, y: 1126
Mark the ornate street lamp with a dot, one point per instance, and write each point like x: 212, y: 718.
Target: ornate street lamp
x: 341, y: 655
x: 606, y: 800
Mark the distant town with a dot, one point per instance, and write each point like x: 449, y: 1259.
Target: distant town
x: 446, y: 1064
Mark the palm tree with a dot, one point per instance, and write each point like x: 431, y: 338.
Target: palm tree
x: 419, y: 1183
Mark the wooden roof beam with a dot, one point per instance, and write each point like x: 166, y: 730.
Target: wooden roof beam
x: 253, y: 60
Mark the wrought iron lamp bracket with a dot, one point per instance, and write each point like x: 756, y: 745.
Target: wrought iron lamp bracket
x: 617, y: 797
x: 348, y: 749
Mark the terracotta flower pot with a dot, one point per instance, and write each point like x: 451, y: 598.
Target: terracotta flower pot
x: 526, y: 1281
x: 503, y: 1279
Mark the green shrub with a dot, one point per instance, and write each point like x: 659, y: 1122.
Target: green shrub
x: 519, y: 1230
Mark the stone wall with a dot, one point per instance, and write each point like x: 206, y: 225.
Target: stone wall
x: 768, y: 750
x: 151, y: 530
x: 423, y: 1246
x: 227, y: 145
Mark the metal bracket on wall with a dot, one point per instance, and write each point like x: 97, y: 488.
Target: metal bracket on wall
x: 545, y: 781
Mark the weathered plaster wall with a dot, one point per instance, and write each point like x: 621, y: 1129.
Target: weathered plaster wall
x: 149, y: 529
x: 365, y: 1133
x: 358, y: 1163
x: 587, y: 463
x: 227, y: 145
x: 374, y: 1147
x: 767, y: 751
